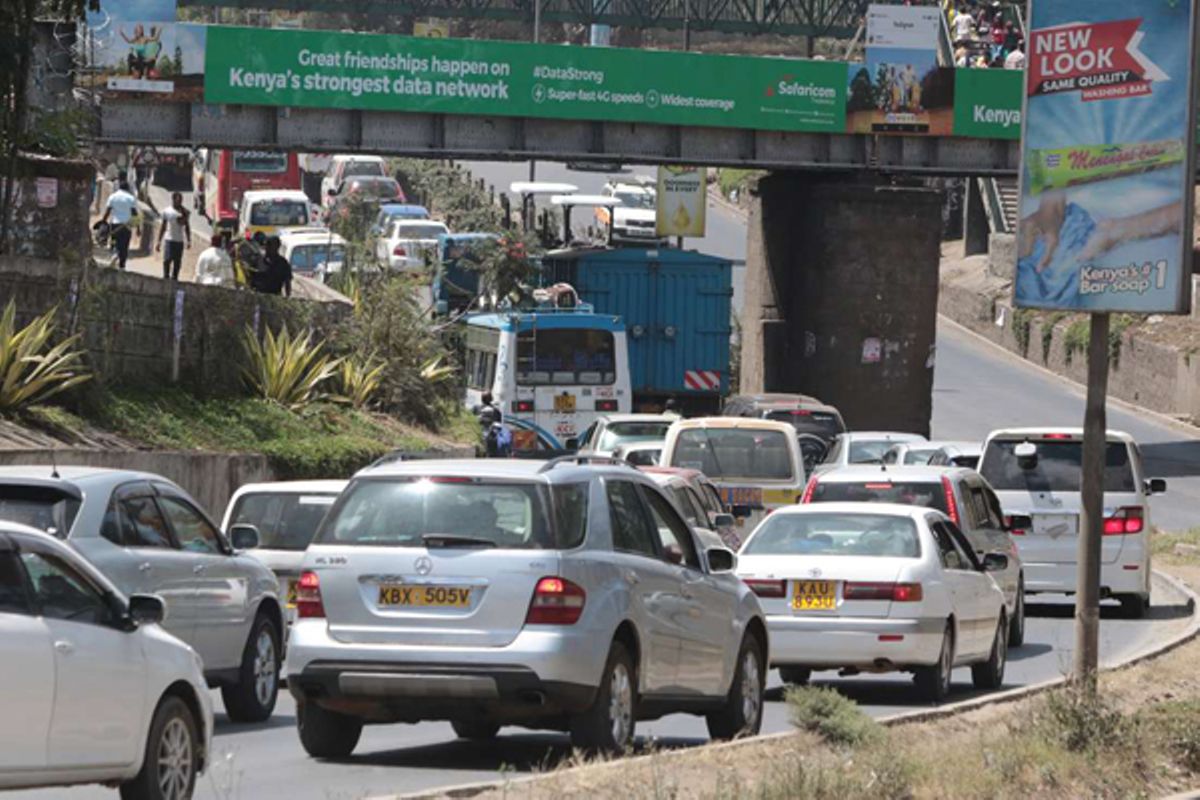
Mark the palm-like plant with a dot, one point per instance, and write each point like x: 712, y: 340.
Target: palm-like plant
x: 287, y: 369
x: 434, y: 371
x: 31, y: 368
x: 360, y: 380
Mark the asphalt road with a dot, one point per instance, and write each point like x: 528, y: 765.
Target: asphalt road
x: 977, y: 387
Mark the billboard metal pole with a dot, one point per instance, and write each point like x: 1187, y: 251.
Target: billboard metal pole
x: 1091, y: 528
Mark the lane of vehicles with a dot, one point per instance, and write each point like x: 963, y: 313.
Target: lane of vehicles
x: 221, y: 177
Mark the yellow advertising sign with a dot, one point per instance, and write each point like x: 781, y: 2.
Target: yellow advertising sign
x: 681, y: 202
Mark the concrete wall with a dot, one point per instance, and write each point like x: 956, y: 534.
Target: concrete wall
x: 50, y: 208
x: 841, y: 297
x: 128, y: 321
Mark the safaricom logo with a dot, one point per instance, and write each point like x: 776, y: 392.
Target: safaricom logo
x: 791, y: 88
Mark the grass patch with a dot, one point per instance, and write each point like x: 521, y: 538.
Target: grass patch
x: 831, y: 715
x: 729, y: 178
x: 1162, y: 545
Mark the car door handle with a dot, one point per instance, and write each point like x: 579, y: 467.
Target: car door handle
x: 63, y: 646
x: 197, y: 569
x: 632, y: 578
x: 144, y: 566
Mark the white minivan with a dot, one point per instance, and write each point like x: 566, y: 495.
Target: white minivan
x: 1037, y: 472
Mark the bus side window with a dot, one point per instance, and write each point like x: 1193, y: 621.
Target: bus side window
x: 489, y: 370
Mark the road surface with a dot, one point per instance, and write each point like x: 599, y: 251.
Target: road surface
x: 977, y: 387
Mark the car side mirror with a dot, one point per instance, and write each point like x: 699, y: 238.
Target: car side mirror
x: 1156, y: 486
x: 673, y: 554
x: 723, y: 521
x: 572, y: 444
x: 721, y: 560
x: 147, y: 609
x: 1018, y: 522
x: 244, y: 537
x: 995, y: 562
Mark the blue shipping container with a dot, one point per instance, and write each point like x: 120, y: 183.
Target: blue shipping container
x: 676, y: 309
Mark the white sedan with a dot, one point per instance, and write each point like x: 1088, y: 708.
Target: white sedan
x: 868, y: 587
x: 94, y: 690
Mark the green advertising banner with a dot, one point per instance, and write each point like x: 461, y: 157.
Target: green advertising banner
x: 322, y: 69
x: 987, y: 103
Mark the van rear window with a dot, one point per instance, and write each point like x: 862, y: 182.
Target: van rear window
x: 820, y: 423
x: 1057, y: 468
x: 734, y: 453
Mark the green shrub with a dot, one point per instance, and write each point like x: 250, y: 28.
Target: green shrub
x: 359, y: 380
x: 833, y: 717
x: 1080, y: 720
x: 321, y: 457
x: 286, y: 369
x: 32, y: 369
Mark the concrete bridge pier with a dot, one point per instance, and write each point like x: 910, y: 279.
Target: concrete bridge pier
x: 841, y: 296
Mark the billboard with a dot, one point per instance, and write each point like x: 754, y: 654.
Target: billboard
x: 900, y: 88
x: 681, y: 201
x: 136, y: 47
x: 1106, y: 175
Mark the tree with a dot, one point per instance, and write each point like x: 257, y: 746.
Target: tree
x: 177, y: 62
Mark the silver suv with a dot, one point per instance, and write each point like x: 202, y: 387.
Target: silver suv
x: 149, y: 537
x: 565, y: 595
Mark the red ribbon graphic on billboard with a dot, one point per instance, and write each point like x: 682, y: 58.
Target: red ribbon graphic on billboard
x: 1101, y: 61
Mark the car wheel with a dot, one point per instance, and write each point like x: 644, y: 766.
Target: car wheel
x: 326, y: 734
x: 1016, y: 627
x: 1134, y: 606
x: 474, y: 729
x: 742, y: 714
x: 795, y: 676
x: 172, y: 756
x: 933, y: 682
x: 608, y: 725
x: 252, y: 698
x: 990, y: 674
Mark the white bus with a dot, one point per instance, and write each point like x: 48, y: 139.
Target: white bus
x: 551, y: 372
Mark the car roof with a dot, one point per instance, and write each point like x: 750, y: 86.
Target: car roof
x: 294, y: 487
x: 357, y: 157
x: 310, y: 237
x: 810, y: 404
x: 263, y: 194
x: 883, y: 509
x: 76, y: 559
x: 629, y: 447
x: 401, y: 221
x: 1016, y: 433
x: 608, y: 419
x: 916, y: 473
x: 774, y: 397
x: 887, y: 436
x: 682, y: 472
x: 401, y: 208
x: 44, y: 475
x: 744, y: 423
x: 668, y: 480
x: 499, y: 468
x: 962, y: 448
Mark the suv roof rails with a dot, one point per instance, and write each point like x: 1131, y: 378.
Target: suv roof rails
x: 583, y: 459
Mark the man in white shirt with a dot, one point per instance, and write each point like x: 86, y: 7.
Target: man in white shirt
x: 1015, y: 59
x: 176, y: 230
x: 214, y: 267
x: 964, y: 27
x: 121, y: 208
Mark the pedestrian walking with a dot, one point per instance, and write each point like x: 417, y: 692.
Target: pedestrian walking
x: 214, y: 267
x: 119, y: 212
x: 275, y: 277
x: 176, y: 231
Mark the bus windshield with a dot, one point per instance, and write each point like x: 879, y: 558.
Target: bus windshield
x: 259, y: 161
x: 565, y: 357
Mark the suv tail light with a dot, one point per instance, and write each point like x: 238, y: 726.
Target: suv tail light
x: 606, y: 405
x: 556, y: 601
x: 399, y: 250
x: 808, y: 491
x: 766, y: 587
x: 1125, y: 520
x: 308, y: 597
x: 951, y: 503
x: 522, y: 406
x: 895, y: 592
x: 1011, y: 530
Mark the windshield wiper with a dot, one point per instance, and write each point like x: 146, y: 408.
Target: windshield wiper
x: 454, y: 540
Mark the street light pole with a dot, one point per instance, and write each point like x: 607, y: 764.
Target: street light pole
x: 537, y: 37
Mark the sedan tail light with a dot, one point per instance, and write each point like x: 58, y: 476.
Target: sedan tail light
x: 808, y: 491
x: 951, y: 502
x: 308, y: 597
x: 895, y: 592
x: 1013, y: 531
x: 556, y: 601
x: 1126, y: 520
x: 399, y: 250
x: 767, y: 587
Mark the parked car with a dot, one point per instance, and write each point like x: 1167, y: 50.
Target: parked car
x: 708, y: 509
x: 959, y: 493
x: 409, y: 244
x: 806, y: 414
x: 1036, y: 473
x: 639, y: 454
x: 148, y: 536
x: 877, y: 587
x: 501, y: 592
x: 957, y: 454
x: 863, y: 447
x: 94, y: 690
x: 755, y: 463
x: 285, y: 516
x: 604, y: 435
x: 344, y: 167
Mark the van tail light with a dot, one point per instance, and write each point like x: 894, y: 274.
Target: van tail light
x: 1011, y: 530
x: 1125, y: 520
x: 951, y: 503
x: 399, y: 250
x: 808, y: 491
x: 895, y: 592
x: 1057, y: 436
x: 556, y: 601
x: 522, y: 406
x: 606, y: 405
x: 308, y: 597
x: 767, y: 588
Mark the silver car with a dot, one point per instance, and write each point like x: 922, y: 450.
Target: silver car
x: 148, y: 536
x: 566, y: 595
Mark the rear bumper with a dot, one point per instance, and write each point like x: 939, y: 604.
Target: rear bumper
x: 1125, y: 576
x: 826, y: 643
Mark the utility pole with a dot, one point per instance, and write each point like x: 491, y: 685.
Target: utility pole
x: 687, y: 24
x: 537, y: 37
x: 1091, y: 524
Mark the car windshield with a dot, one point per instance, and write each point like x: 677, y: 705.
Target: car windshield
x: 636, y: 199
x: 918, y: 455
x: 428, y: 230
x: 618, y: 433
x: 285, y: 520
x: 42, y: 507
x: 868, y: 452
x: 822, y: 423
x: 279, y: 213
x: 380, y: 188
x: 1056, y: 469
x: 874, y: 535
x: 420, y: 512
x: 734, y: 453
x: 362, y: 168
x: 311, y: 256
x: 927, y: 494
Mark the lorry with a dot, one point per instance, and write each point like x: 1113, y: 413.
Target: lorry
x: 675, y: 307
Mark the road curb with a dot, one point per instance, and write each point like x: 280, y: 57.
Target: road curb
x: 923, y: 715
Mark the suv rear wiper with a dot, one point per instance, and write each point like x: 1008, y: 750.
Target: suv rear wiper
x: 454, y: 540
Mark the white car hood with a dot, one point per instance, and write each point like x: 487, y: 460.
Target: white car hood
x: 621, y: 215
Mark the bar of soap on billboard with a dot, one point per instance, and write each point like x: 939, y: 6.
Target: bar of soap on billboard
x: 1106, y: 208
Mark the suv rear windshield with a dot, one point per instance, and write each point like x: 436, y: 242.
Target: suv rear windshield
x: 42, y: 507
x: 625, y: 432
x: 285, y: 521
x: 417, y: 512
x: 835, y: 535
x: 1057, y: 469
x: 908, y: 493
x: 822, y: 423
x: 734, y: 453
